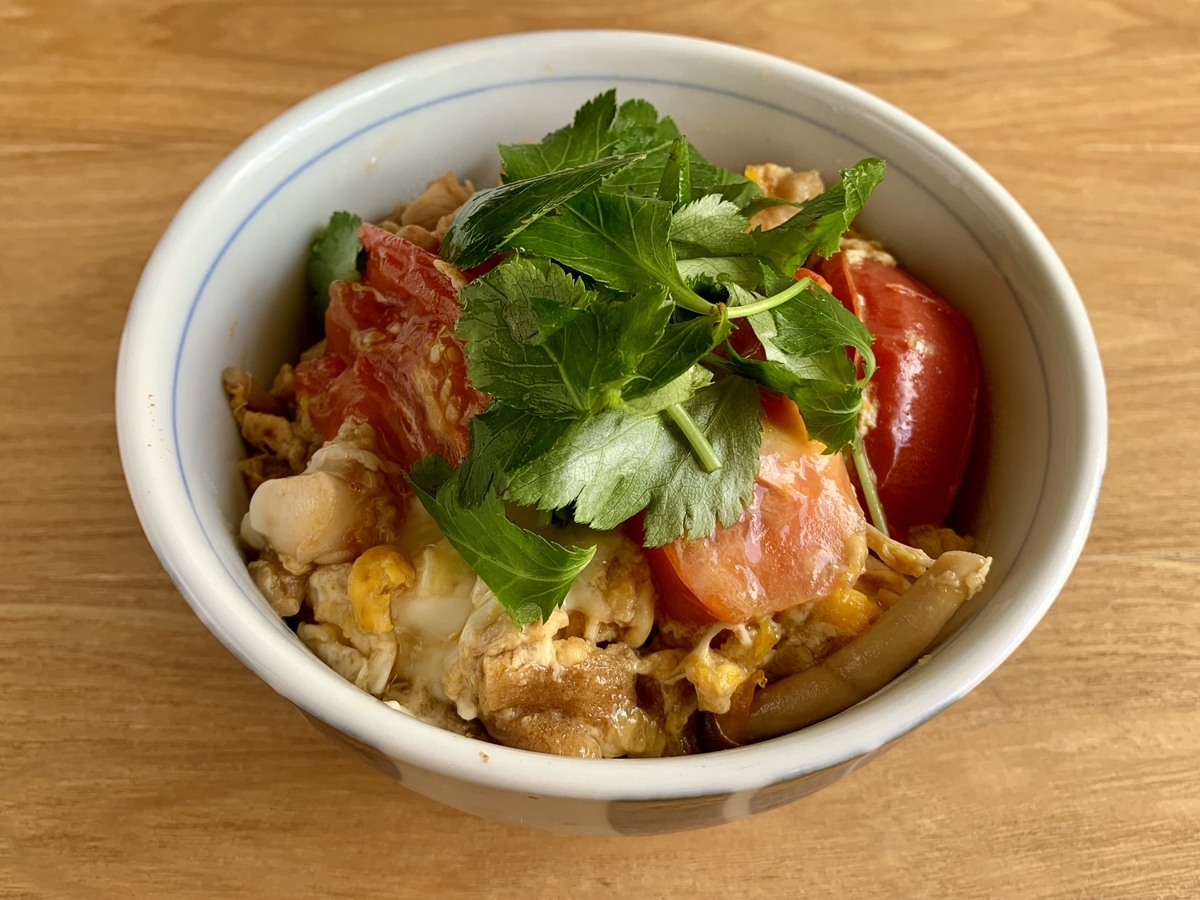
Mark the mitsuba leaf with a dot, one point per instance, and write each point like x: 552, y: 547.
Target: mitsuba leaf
x: 830, y: 407
x: 538, y: 339
x: 600, y: 128
x: 334, y: 256
x: 637, y: 129
x: 588, y: 138
x: 492, y: 217
x: 621, y: 241
x: 712, y: 272
x: 821, y: 221
x: 682, y: 345
x: 504, y: 439
x: 680, y: 390
x: 617, y: 463
x: 710, y: 226
x: 529, y: 575
x: 709, y: 179
x: 805, y: 341
x: 675, y: 183
x: 812, y: 322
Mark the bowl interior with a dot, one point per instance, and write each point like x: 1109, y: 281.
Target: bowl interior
x: 226, y: 288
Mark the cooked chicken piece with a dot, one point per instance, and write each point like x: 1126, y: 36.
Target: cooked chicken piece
x: 325, y: 641
x: 260, y: 417
x: 901, y: 557
x: 936, y: 541
x: 414, y: 234
x: 782, y: 182
x: 337, y: 623
x: 446, y: 221
x: 441, y: 198
x: 283, y: 590
x: 857, y: 248
x: 262, y: 467
x: 565, y: 696
x: 343, y: 503
x: 309, y: 519
x: 881, y: 583
x: 426, y: 219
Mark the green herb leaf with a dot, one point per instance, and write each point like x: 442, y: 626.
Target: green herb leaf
x: 821, y: 221
x: 504, y: 439
x: 675, y: 183
x: 599, y: 129
x: 680, y: 390
x: 588, y: 138
x: 830, y: 407
x: 714, y: 272
x: 710, y: 226
x: 805, y: 340
x: 710, y: 179
x: 682, y: 345
x: 333, y: 256
x: 621, y: 241
x: 529, y: 575
x: 811, y: 322
x: 492, y: 217
x: 537, y: 339
x: 617, y: 463
x: 637, y: 128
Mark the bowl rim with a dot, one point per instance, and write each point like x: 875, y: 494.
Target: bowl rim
x: 297, y: 675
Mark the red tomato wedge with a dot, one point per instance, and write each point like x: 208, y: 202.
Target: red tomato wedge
x: 392, y: 359
x: 802, y: 537
x: 926, y: 388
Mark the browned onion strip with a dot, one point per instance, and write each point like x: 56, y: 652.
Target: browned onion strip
x: 884, y: 650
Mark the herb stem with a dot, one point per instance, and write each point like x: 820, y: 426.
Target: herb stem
x: 750, y: 309
x: 700, y: 446
x: 866, y: 477
x: 690, y: 300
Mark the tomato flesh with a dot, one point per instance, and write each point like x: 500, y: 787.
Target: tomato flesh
x: 801, y: 538
x: 391, y: 357
x: 926, y: 388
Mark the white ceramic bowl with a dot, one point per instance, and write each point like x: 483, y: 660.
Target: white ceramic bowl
x: 224, y: 287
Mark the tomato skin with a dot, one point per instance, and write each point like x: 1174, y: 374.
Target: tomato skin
x: 926, y: 388
x: 801, y: 538
x: 392, y: 359
x: 675, y: 599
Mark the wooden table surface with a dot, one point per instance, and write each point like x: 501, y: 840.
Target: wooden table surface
x: 138, y: 758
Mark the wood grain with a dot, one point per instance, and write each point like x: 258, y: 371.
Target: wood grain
x: 139, y: 759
